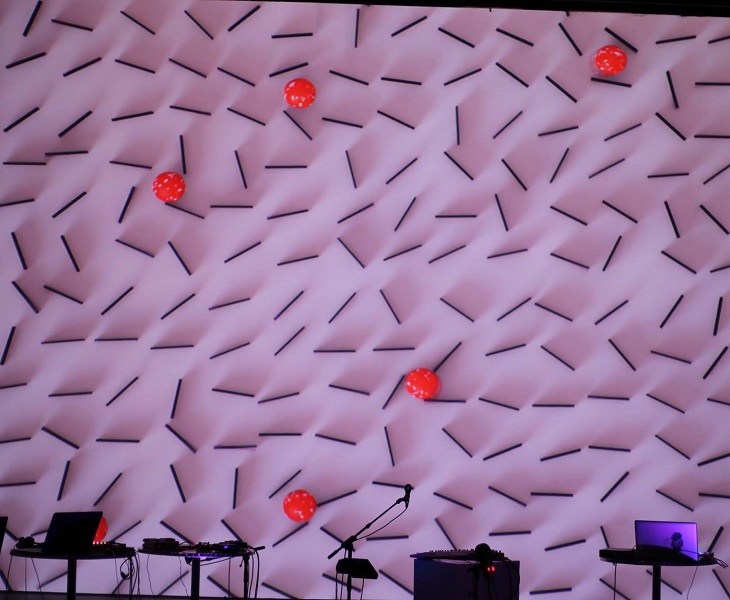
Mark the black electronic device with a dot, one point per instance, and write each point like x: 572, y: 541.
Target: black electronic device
x: 26, y: 542
x: 3, y: 527
x: 71, y: 533
x: 160, y: 544
x: 359, y: 568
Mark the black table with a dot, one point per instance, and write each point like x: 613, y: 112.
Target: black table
x: 98, y: 552
x: 630, y: 558
x: 195, y: 555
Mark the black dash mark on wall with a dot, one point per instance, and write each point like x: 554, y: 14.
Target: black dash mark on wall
x: 612, y: 489
x: 245, y: 116
x: 289, y: 304
x: 395, y: 119
x: 507, y: 349
x: 60, y: 438
x: 19, y: 251
x: 335, y: 439
x: 304, y: 131
x: 25, y: 297
x: 513, y: 309
x: 83, y: 117
x: 390, y: 307
x: 664, y: 120
x: 27, y: 59
x: 511, y: 74
x: 177, y: 483
x: 126, y: 204
x: 446, y: 535
x: 679, y: 262
x: 339, y: 310
x: 401, y: 252
x: 82, y: 66
x: 462, y: 76
x: 570, y: 261
x: 714, y: 219
x: 179, y: 258
x: 606, y: 168
x: 611, y: 82
x: 558, y: 358
x: 561, y: 89
x: 349, y: 166
x: 461, y: 312
x: 457, y: 442
x: 713, y: 459
x: 515, y: 37
x: 614, y: 135
x: 553, y: 311
x: 671, y: 311
x: 514, y: 174
x: 283, y: 485
x: 235, y: 490
x: 232, y: 392
x: 407, y: 27
x: 456, y: 37
x: 240, y: 169
x: 445, y: 254
x: 288, y: 69
x: 672, y: 499
x: 187, y: 444
x: 241, y: 252
x: 130, y: 164
x: 671, y: 219
x: 117, y: 300
x: 134, y: 66
x: 673, y: 447
x: 22, y: 118
x: 393, y: 391
x: 178, y: 305
x: 64, y: 477
x: 570, y: 39
x: 462, y: 169
x: 8, y: 343
x: 610, y: 256
x: 400, y: 221
x: 108, y: 489
x: 512, y: 120
x: 174, y: 531
x: 124, y: 389
x: 621, y: 354
x: 725, y: 168
x: 456, y: 123
x: 557, y: 169
x: 279, y: 541
x: 244, y: 17
x: 350, y: 252
x: 676, y: 39
x: 70, y: 254
x: 17, y: 202
x: 718, y: 314
x: 357, y: 212
x: 63, y: 294
x: 445, y: 358
x: 672, y: 90
x: 390, y: 447
x: 501, y: 212
x: 289, y: 341
x: 194, y: 20
x: 715, y: 363
x: 137, y: 22
x: 175, y: 400
x: 72, y: 25
x: 610, y: 312
x: 452, y: 500
x: 235, y: 76
x: 619, y: 211
x: 32, y: 18
x: 68, y: 205
x: 505, y: 495
x: 618, y: 38
x: 560, y: 454
x: 229, y: 303
x: 187, y: 68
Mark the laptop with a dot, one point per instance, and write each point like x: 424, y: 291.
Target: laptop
x: 668, y: 540
x: 3, y: 527
x: 71, y: 533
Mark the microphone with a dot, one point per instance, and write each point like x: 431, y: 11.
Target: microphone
x: 407, y: 498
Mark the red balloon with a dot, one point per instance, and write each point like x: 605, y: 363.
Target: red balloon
x: 299, y: 93
x: 300, y: 505
x: 102, y: 530
x: 423, y: 384
x: 169, y: 186
x: 610, y: 60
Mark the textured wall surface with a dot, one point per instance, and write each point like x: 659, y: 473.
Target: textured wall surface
x: 466, y: 194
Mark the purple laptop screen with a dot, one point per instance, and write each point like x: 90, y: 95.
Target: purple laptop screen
x: 672, y: 535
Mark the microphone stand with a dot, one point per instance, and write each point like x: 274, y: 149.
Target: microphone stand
x: 348, y: 544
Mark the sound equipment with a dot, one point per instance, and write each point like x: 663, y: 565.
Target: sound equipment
x: 478, y: 574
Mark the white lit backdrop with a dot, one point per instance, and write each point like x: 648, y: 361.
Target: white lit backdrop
x: 465, y: 194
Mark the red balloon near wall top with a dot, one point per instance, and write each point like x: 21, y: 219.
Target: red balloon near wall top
x: 299, y: 93
x: 423, y: 384
x: 169, y: 186
x: 610, y: 60
x: 102, y: 530
x: 299, y: 505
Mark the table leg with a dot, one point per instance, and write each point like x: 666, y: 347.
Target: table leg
x: 656, y: 582
x: 71, y: 580
x: 195, y: 579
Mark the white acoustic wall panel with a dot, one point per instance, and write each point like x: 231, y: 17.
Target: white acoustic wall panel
x: 465, y: 194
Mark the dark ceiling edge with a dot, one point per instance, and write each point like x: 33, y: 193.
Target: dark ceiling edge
x: 706, y: 8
